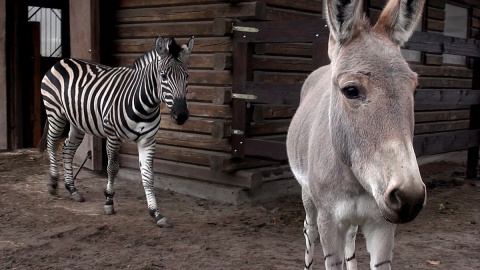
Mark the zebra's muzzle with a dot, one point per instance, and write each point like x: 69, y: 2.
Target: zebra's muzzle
x: 179, y: 111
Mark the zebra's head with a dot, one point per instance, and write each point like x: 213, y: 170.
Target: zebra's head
x: 172, y: 76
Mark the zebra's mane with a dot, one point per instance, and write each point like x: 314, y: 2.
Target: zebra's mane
x: 174, y: 50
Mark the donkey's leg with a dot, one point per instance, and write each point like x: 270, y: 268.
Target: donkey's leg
x: 54, y: 134
x: 146, y: 150
x: 379, y: 236
x: 310, y: 230
x: 332, y: 238
x: 350, y: 259
x: 74, y: 140
x: 113, y: 146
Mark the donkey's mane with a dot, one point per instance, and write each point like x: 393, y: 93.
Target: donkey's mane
x: 174, y: 50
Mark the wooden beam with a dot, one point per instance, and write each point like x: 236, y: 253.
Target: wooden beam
x: 250, y: 180
x: 3, y: 78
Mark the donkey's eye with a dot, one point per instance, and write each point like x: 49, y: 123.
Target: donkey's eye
x: 164, y: 77
x: 351, y: 92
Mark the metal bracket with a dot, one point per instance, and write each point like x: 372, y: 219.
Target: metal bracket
x: 245, y: 29
x: 237, y: 132
x: 244, y: 96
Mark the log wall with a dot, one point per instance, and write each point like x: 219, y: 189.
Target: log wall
x: 202, y: 148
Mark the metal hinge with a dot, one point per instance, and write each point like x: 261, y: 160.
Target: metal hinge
x: 245, y: 29
x: 237, y: 132
x: 244, y: 96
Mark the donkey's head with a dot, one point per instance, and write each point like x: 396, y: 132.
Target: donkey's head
x: 173, y: 75
x: 371, y: 109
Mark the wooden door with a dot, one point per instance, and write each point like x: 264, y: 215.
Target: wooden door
x: 84, y: 36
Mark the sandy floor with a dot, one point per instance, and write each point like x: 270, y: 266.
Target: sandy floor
x: 38, y: 231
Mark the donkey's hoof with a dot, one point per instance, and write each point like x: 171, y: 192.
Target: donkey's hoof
x: 109, y: 210
x: 163, y: 223
x: 52, y: 190
x: 76, y: 196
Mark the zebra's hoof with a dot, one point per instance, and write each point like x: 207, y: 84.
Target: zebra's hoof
x: 163, y: 223
x: 76, y: 196
x: 109, y: 210
x: 52, y: 190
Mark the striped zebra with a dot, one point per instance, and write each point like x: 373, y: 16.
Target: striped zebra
x: 117, y: 103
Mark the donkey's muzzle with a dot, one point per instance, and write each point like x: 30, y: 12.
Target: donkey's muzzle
x: 403, y: 204
x: 179, y: 111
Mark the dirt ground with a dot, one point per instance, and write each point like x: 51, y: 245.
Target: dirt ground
x: 39, y: 231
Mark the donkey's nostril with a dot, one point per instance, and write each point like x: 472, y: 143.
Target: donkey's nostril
x: 394, y: 199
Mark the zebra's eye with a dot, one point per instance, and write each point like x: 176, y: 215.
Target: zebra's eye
x: 164, y: 77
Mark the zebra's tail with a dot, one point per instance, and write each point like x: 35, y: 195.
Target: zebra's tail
x: 42, y: 144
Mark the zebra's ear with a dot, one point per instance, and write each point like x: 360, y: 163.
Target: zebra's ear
x: 187, y: 48
x: 399, y: 19
x: 161, y: 46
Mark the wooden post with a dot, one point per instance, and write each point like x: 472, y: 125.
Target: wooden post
x: 472, y: 159
x: 242, y: 55
x: 3, y: 78
x: 84, y: 44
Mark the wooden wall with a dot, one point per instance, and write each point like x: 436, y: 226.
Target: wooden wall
x: 201, y: 148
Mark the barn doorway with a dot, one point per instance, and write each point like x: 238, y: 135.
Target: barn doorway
x: 39, y: 37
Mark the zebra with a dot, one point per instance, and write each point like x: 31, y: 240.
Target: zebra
x: 117, y: 103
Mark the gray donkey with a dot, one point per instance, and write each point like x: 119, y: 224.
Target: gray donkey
x: 350, y: 141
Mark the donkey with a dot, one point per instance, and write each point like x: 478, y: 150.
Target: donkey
x: 350, y: 141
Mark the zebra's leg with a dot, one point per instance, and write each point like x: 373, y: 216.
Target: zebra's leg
x: 379, y: 236
x: 113, y: 146
x: 75, y: 138
x: 350, y: 259
x: 146, y: 150
x: 310, y: 230
x: 55, y: 125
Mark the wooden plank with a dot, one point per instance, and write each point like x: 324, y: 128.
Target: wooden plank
x: 205, y: 110
x: 275, y: 93
x: 202, y: 44
x: 193, y: 140
x: 425, y: 82
x: 215, y: 61
x: 435, y: 13
x: 441, y: 126
x: 301, y: 5
x: 284, y: 49
x: 250, y: 180
x: 282, y: 63
x: 268, y: 111
x: 243, y: 11
x: 442, y: 71
x: 217, y: 27
x: 266, y: 149
x: 216, y: 95
x: 446, y: 97
x: 180, y: 154
x: 277, y: 14
x: 216, y: 128
x: 442, y: 142
x: 438, y: 43
x: 280, y: 77
x: 432, y: 116
x: 270, y: 127
x: 302, y: 30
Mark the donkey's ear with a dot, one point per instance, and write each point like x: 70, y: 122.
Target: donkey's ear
x: 399, y: 19
x: 187, y: 48
x: 341, y: 18
x: 161, y: 46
